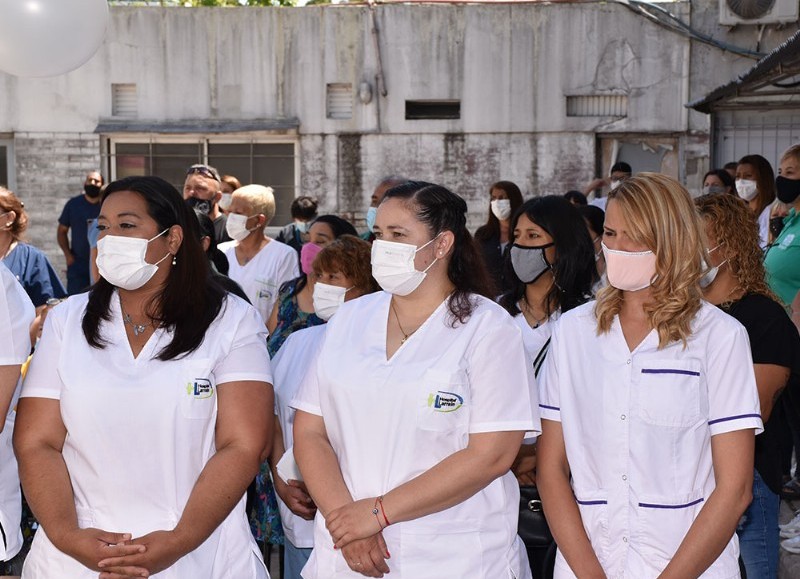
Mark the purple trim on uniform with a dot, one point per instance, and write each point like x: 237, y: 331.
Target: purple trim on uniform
x: 654, y: 506
x: 669, y: 371
x: 591, y: 502
x: 549, y: 407
x: 738, y: 416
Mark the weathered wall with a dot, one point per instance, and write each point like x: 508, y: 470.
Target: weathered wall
x: 511, y: 66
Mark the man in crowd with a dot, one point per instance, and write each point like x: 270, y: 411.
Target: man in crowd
x: 202, y: 190
x: 78, y: 212
x: 619, y: 172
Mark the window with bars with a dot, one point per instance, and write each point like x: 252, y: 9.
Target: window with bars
x: 266, y: 163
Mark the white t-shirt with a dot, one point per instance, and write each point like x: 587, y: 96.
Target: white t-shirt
x: 262, y: 276
x: 536, y: 340
x: 600, y: 202
x: 140, y: 431
x: 390, y: 420
x: 290, y: 365
x: 763, y: 226
x: 16, y: 317
x: 637, y: 428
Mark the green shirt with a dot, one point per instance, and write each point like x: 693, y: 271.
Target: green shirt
x: 783, y: 260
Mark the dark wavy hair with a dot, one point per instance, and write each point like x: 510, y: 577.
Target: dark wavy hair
x: 439, y: 209
x: 574, y: 271
x: 190, y: 300
x: 491, y: 229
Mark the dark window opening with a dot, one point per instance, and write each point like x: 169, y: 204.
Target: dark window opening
x: 433, y: 109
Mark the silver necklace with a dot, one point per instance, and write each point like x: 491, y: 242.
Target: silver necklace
x: 138, y: 329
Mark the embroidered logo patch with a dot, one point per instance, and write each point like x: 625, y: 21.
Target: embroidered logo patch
x: 445, y: 401
x: 200, y: 388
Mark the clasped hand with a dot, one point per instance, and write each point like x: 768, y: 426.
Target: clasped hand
x: 118, y: 556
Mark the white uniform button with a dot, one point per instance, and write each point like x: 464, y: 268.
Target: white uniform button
x: 629, y: 361
x: 622, y: 417
x: 624, y: 477
x: 624, y: 539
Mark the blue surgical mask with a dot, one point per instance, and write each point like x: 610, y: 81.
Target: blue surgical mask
x: 301, y: 226
x: 372, y: 214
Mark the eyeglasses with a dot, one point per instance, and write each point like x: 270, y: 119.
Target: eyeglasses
x: 205, y: 171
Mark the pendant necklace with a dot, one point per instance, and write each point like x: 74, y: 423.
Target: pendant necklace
x: 138, y: 329
x: 402, y: 331
x: 536, y: 321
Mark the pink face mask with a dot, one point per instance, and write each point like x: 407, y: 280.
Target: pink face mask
x: 308, y: 253
x: 629, y: 270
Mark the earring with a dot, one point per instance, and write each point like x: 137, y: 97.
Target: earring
x: 174, y: 260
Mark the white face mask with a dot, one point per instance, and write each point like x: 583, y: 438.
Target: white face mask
x: 327, y: 299
x: 225, y: 202
x: 393, y: 266
x: 236, y: 226
x: 120, y: 260
x: 501, y: 208
x: 710, y: 272
x: 629, y: 270
x: 615, y: 183
x: 746, y: 189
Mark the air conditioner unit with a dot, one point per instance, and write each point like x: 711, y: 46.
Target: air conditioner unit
x: 732, y: 12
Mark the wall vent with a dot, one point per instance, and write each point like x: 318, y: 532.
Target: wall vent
x: 433, y: 109
x: 611, y: 105
x: 339, y: 102
x: 123, y: 101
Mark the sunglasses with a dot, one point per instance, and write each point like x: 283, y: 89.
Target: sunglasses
x: 205, y: 171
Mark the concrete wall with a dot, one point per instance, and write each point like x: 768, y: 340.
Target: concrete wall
x: 511, y: 66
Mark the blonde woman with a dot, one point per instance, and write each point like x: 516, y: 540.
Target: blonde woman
x: 655, y: 419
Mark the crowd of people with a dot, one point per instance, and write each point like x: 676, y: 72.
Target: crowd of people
x: 375, y: 403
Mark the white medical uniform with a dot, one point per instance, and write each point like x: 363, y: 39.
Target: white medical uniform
x: 536, y: 340
x: 290, y: 365
x: 140, y: 431
x: 637, y: 428
x: 263, y: 276
x: 16, y: 317
x: 390, y: 421
x: 763, y: 226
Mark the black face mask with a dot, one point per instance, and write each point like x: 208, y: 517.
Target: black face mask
x: 788, y: 189
x: 201, y: 205
x: 92, y: 191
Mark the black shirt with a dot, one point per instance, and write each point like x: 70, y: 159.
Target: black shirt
x: 773, y: 340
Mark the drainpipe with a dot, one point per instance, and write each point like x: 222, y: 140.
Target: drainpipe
x: 380, y: 79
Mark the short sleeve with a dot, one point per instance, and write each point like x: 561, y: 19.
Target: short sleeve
x: 43, y: 379
x: 247, y: 358
x: 16, y: 317
x: 549, y: 392
x: 498, y: 358
x: 307, y: 398
x: 288, y: 269
x: 730, y: 378
x: 93, y: 233
x: 66, y: 214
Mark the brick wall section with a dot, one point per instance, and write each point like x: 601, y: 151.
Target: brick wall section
x: 51, y: 168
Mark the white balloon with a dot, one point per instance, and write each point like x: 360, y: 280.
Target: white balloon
x: 49, y: 37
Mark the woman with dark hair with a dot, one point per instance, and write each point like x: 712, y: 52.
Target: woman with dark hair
x: 294, y: 309
x: 495, y: 235
x: 304, y: 212
x: 718, y: 181
x: 755, y: 183
x: 341, y: 273
x: 158, y: 354
x: 402, y: 436
x: 594, y: 217
x: 552, y: 268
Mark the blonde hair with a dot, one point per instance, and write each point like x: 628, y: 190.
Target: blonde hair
x: 733, y: 224
x: 260, y: 198
x: 793, y: 151
x: 660, y: 215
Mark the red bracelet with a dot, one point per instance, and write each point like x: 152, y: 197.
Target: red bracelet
x: 377, y: 518
x: 379, y: 500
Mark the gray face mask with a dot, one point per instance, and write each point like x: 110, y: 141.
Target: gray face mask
x: 529, y: 263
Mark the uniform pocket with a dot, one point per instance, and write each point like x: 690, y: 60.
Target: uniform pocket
x: 442, y: 401
x: 662, y: 524
x: 594, y: 515
x: 669, y: 392
x: 198, y: 389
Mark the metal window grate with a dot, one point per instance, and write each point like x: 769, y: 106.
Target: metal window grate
x: 340, y: 101
x: 611, y: 105
x: 123, y: 101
